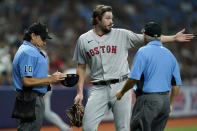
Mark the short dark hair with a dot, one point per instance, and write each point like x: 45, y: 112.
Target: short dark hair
x: 37, y: 29
x: 27, y: 36
x: 98, y: 12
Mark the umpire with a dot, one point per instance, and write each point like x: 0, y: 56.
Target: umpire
x: 155, y: 70
x: 31, y: 80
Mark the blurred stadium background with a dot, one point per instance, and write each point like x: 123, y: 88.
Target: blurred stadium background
x: 68, y: 19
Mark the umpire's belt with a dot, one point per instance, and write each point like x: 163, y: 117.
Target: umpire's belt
x: 112, y: 81
x: 158, y: 93
x: 31, y: 91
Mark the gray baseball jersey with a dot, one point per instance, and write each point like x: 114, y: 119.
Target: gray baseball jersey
x: 107, y: 59
x: 106, y: 55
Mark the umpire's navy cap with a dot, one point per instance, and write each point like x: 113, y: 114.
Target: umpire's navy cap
x: 39, y: 29
x: 152, y: 29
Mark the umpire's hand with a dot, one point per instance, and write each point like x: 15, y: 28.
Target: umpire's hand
x: 119, y: 95
x: 170, y: 114
x: 57, y: 76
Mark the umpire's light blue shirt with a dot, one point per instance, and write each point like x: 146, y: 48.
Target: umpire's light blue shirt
x: 158, y: 65
x: 29, y: 61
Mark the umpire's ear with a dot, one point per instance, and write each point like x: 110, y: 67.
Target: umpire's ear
x: 33, y: 36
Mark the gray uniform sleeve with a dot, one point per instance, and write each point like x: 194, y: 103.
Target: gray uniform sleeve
x: 134, y: 40
x: 79, y: 53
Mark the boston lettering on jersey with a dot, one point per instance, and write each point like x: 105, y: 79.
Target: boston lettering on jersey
x: 103, y: 49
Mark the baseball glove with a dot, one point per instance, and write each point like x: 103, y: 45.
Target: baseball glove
x: 70, y: 80
x: 75, y: 115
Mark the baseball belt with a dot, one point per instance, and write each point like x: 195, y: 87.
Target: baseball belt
x: 112, y: 81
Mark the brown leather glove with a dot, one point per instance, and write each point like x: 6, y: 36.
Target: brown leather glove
x: 75, y: 115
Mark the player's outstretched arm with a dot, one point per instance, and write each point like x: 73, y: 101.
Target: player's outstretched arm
x: 81, y: 69
x: 179, y: 37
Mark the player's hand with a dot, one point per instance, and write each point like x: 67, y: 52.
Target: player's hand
x: 78, y: 99
x: 57, y: 76
x: 181, y: 37
x: 170, y: 110
x: 119, y: 95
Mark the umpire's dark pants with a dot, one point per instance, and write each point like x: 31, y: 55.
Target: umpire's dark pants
x: 150, y: 112
x: 39, y: 112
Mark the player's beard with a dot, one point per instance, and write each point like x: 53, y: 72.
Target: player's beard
x: 105, y: 30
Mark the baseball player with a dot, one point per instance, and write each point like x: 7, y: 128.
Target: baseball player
x: 105, y: 50
x: 51, y: 116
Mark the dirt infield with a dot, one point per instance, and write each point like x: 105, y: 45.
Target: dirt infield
x: 182, y: 122
x: 109, y: 126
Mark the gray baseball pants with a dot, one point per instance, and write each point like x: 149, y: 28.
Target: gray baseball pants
x: 101, y: 99
x: 150, y: 112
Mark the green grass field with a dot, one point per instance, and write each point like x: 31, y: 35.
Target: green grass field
x: 193, y: 128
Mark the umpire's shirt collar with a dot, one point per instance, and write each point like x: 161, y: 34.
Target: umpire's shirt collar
x: 157, y: 43
x: 29, y: 44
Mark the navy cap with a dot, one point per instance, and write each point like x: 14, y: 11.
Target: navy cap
x: 152, y: 29
x: 39, y: 29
